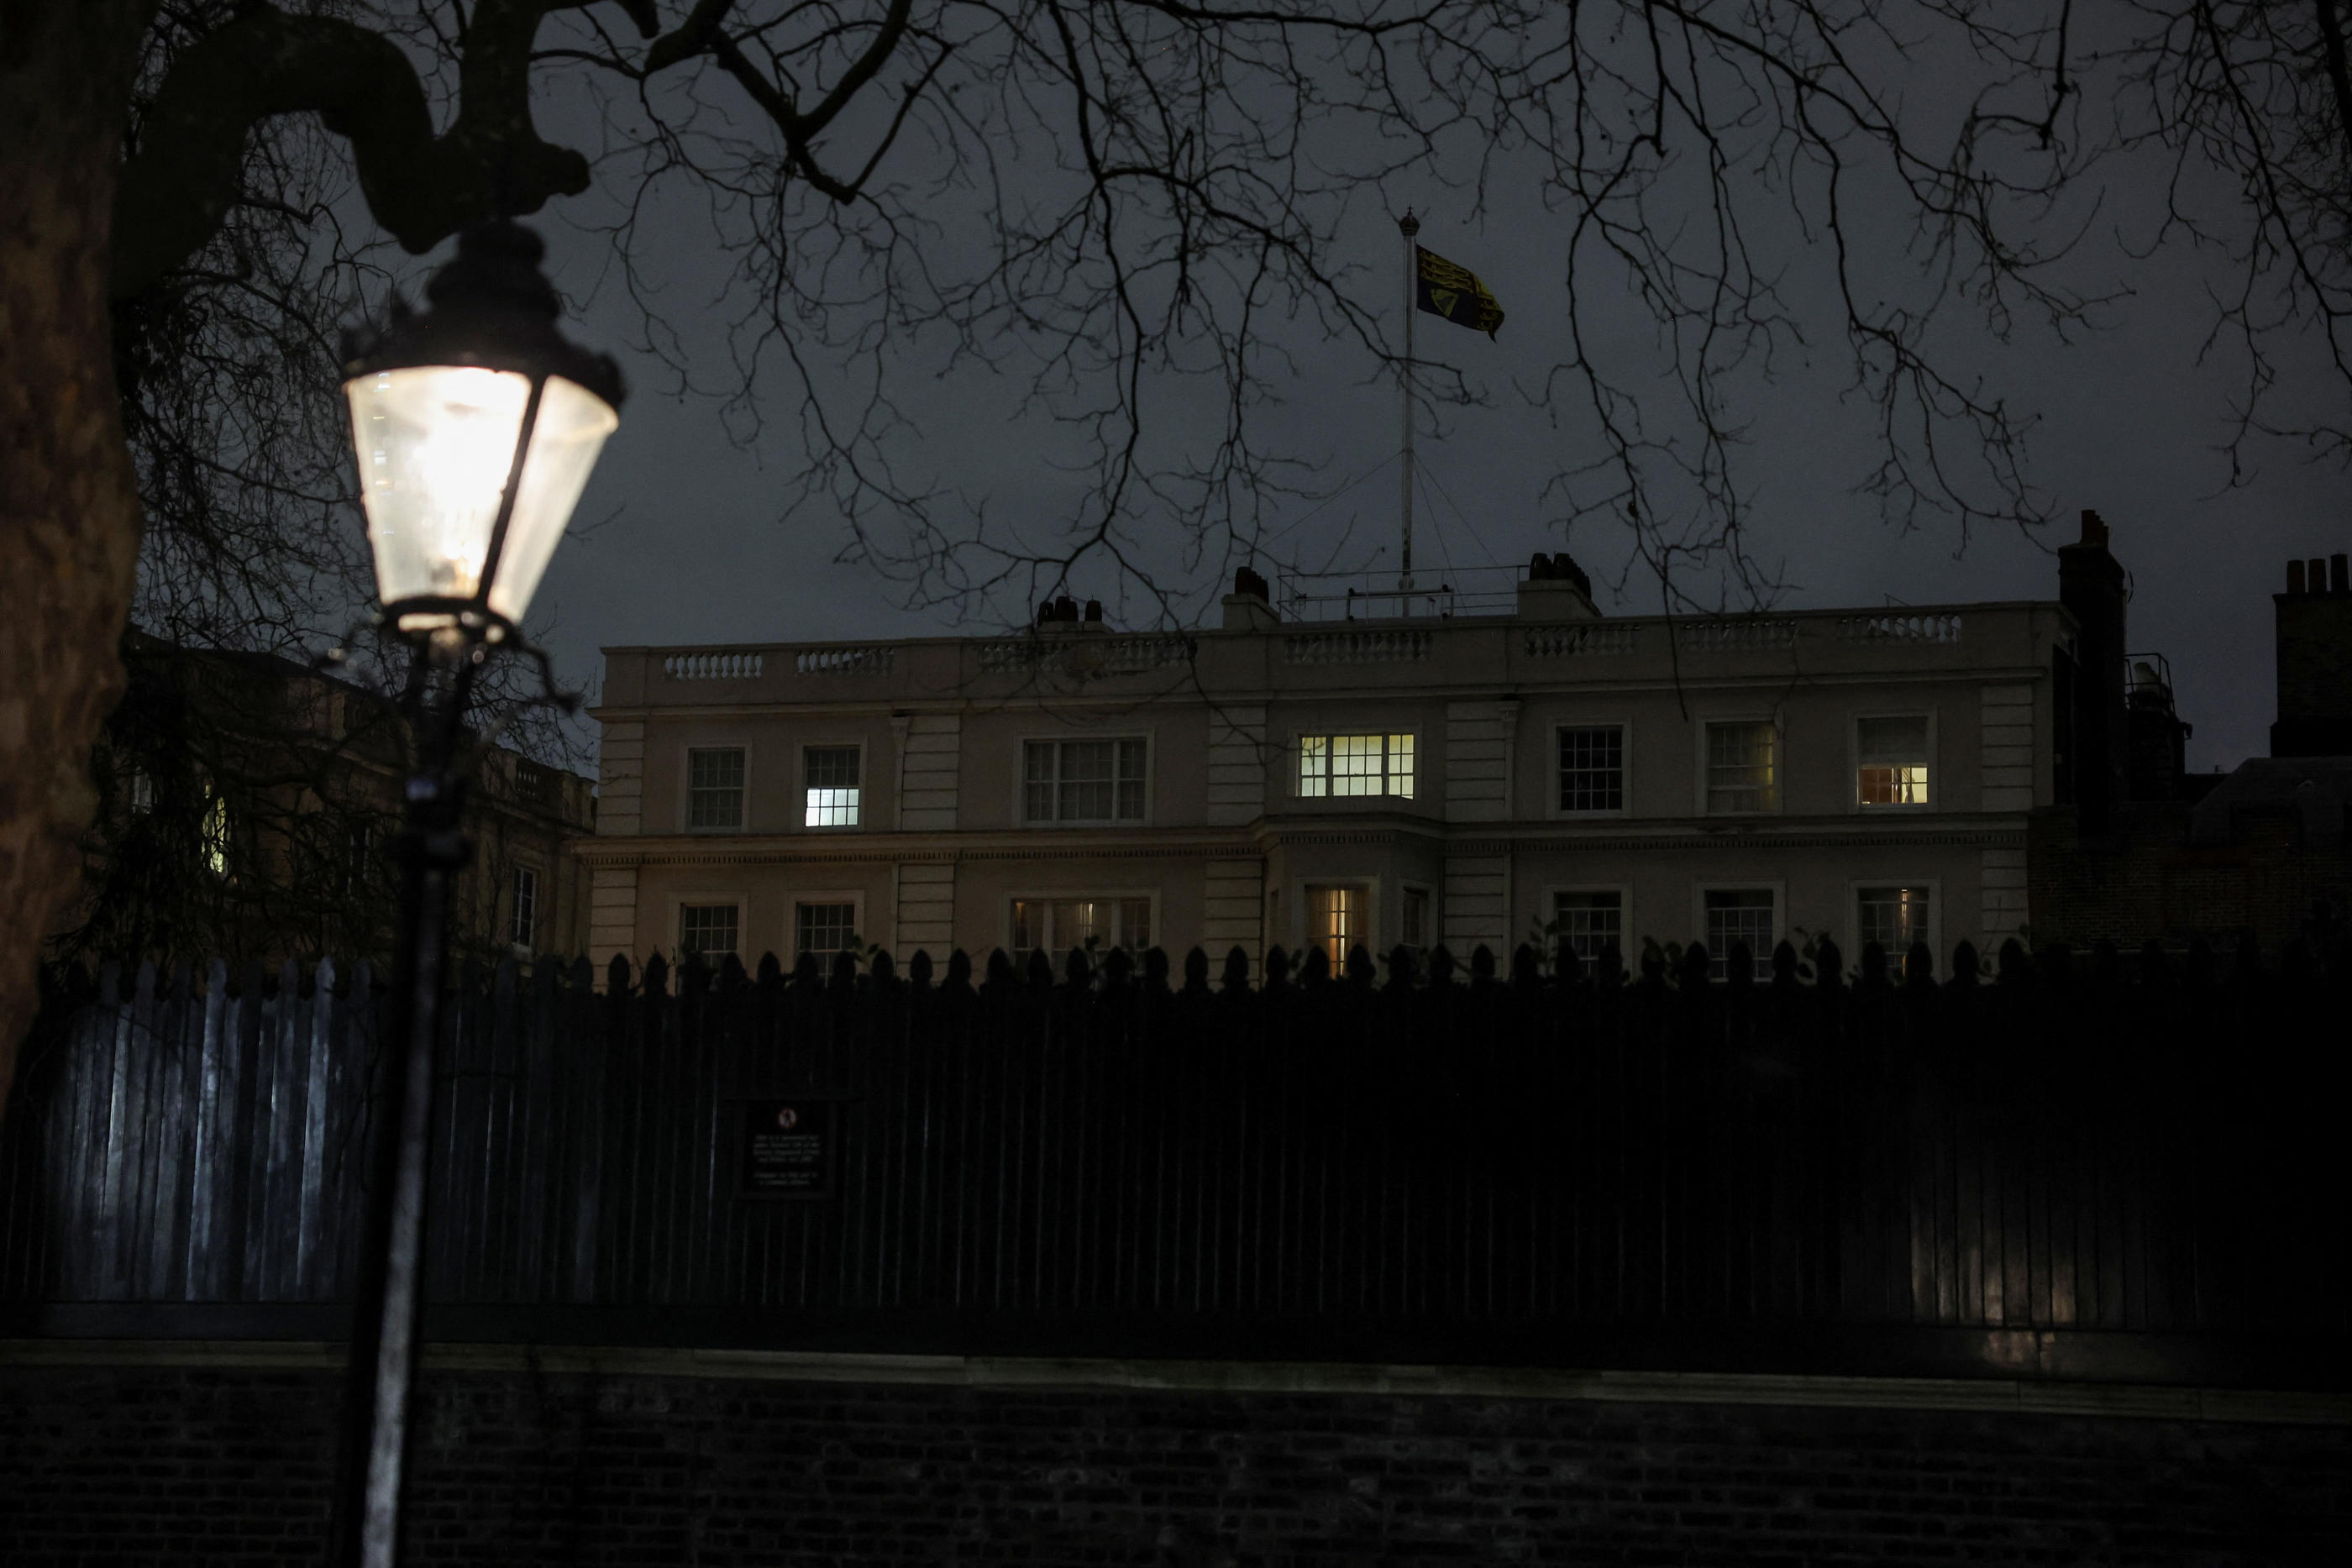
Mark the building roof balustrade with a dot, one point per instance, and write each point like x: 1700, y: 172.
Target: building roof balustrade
x: 1598, y: 638
x: 1397, y: 645
x: 1930, y: 626
x: 713, y: 664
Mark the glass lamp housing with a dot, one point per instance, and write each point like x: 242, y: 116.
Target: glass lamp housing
x: 440, y: 401
x: 435, y: 445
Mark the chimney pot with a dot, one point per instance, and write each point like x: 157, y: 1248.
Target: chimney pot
x: 1045, y: 610
x: 2095, y: 528
x: 1094, y: 608
x: 2295, y: 577
x: 1066, y: 608
x: 2337, y: 575
x: 2318, y: 574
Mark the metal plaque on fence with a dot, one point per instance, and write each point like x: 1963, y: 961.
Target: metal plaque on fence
x: 788, y: 1148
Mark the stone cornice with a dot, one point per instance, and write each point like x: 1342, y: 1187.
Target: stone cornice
x: 1265, y: 835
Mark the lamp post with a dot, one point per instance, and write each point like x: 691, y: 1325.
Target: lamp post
x: 477, y: 423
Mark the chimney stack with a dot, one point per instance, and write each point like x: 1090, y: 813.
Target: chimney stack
x: 2315, y: 660
x: 1250, y: 606
x: 2094, y: 759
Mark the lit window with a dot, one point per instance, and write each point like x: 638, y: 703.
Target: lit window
x: 1593, y: 768
x: 825, y: 929
x: 1891, y: 758
x: 1083, y: 781
x: 714, y: 788
x: 216, y: 837
x: 709, y: 929
x: 832, y: 783
x: 140, y: 794
x: 1335, y: 920
x: 1413, y: 925
x: 1741, y: 915
x: 524, y: 930
x: 1590, y: 923
x: 1355, y: 765
x: 1894, y: 917
x: 1058, y: 924
x: 1743, y: 766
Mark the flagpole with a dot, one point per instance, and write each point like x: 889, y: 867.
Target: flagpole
x: 1409, y: 226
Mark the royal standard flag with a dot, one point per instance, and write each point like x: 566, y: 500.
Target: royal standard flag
x: 1454, y: 293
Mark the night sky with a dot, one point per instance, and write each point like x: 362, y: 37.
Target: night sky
x: 678, y: 539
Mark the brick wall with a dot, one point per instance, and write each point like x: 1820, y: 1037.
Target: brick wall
x: 2147, y: 880
x: 138, y: 1464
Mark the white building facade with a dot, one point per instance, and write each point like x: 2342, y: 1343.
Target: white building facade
x: 1473, y: 780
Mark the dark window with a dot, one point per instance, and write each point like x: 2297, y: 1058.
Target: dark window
x: 1894, y: 917
x: 1593, y: 768
x: 709, y: 929
x: 1058, y: 925
x: 524, y: 930
x: 825, y: 928
x: 1590, y: 923
x: 714, y: 788
x: 1741, y: 915
x: 1083, y: 781
x: 1414, y: 927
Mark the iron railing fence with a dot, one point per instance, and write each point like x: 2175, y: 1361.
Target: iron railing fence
x: 1511, y: 1163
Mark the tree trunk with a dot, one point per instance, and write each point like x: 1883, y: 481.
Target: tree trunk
x: 68, y: 504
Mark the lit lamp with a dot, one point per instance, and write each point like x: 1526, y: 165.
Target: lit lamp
x: 477, y: 425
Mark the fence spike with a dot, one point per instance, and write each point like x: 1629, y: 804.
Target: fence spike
x: 1828, y: 964
x: 1196, y: 970
x: 1236, y: 975
x: 959, y: 970
x: 918, y: 970
x: 1277, y: 965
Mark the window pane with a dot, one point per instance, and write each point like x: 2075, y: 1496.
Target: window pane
x: 823, y: 928
x: 1894, y: 917
x: 1893, y: 757
x: 1028, y: 925
x: 830, y: 775
x: 1335, y: 919
x: 1130, y: 781
x: 1357, y: 765
x: 1038, y: 781
x: 1590, y: 923
x: 1742, y: 768
x: 715, y: 788
x: 1593, y: 768
x: 1314, y: 765
x: 526, y: 908
x: 1401, y: 765
x: 706, y: 928
x: 1135, y: 924
x: 1414, y: 925
x: 1743, y: 915
x: 1084, y: 793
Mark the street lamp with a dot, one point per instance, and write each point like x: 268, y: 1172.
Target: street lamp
x: 477, y: 423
